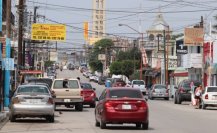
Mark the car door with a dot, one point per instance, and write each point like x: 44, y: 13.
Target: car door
x: 100, y: 105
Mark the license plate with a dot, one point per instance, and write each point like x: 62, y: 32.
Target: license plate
x: 67, y: 100
x: 34, y: 101
x: 126, y: 107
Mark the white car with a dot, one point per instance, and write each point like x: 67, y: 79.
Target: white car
x: 139, y: 84
x: 209, y: 97
x: 92, y: 77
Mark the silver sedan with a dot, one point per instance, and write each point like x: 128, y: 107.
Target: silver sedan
x: 158, y: 91
x: 32, y: 101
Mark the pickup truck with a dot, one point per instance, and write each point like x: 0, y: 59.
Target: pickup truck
x: 68, y: 92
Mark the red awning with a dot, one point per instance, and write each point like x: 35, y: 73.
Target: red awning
x: 182, y: 74
x: 31, y: 72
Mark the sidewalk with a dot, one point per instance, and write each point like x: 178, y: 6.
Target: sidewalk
x: 3, y: 115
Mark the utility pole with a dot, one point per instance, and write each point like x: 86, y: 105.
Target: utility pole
x: 20, y: 32
x: 201, y: 26
x: 34, y: 21
x: 164, y: 34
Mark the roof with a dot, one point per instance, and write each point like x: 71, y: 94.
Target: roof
x: 159, y: 23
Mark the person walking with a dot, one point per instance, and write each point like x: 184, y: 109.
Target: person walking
x: 198, y: 94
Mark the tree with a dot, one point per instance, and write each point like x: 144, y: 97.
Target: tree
x: 115, y: 68
x: 127, y: 67
x: 99, y: 48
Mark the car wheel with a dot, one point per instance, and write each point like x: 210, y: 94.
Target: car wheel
x: 51, y: 119
x: 175, y: 100
x: 93, y: 105
x: 179, y: 100
x: 167, y: 98
x: 145, y: 126
x: 204, y: 105
x: 102, y: 125
x: 79, y: 107
x: 97, y: 124
x: 138, y: 125
x: 12, y: 118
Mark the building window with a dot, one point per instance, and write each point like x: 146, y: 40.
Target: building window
x: 97, y: 16
x: 101, y: 27
x: 96, y: 27
x: 101, y: 22
x: 96, y: 22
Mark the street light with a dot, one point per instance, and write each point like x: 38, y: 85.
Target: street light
x: 139, y: 44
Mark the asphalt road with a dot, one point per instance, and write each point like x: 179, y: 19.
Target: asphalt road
x: 165, y: 117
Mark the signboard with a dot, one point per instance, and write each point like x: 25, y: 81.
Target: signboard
x: 101, y: 57
x: 51, y: 32
x: 86, y: 30
x: 172, y: 64
x: 180, y: 48
x: 192, y: 60
x: 193, y: 36
x: 8, y: 63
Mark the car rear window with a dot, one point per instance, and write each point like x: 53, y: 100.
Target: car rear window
x: 120, y: 93
x: 86, y: 86
x: 160, y: 87
x: 212, y: 89
x: 61, y: 84
x: 138, y: 82
x: 33, y: 89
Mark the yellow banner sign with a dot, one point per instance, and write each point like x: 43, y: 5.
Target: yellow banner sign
x: 86, y: 30
x: 52, y: 32
x: 193, y: 36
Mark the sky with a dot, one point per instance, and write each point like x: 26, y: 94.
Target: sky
x: 177, y: 13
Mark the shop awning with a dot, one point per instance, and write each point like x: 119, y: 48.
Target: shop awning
x: 181, y: 74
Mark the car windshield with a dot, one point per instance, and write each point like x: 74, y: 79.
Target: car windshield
x: 71, y: 84
x: 138, y: 82
x: 32, y: 89
x: 212, y: 89
x: 86, y: 86
x: 160, y: 87
x: 121, y: 93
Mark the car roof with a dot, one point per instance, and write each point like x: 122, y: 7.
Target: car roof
x: 30, y: 85
x: 123, y: 88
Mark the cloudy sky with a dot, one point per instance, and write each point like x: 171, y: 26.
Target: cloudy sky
x: 177, y: 13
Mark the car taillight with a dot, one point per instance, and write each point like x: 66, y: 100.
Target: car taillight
x: 108, y: 106
x: 82, y: 93
x: 15, y: 100
x: 143, y: 105
x: 92, y: 95
x: 206, y: 96
x: 50, y: 101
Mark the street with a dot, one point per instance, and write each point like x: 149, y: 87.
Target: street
x: 165, y: 117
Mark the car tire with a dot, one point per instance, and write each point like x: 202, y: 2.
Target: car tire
x: 175, y: 100
x: 167, y: 98
x: 138, y: 125
x: 204, y: 105
x: 145, y: 125
x: 51, y: 119
x: 79, y: 107
x: 12, y: 118
x: 93, y: 105
x: 102, y: 125
x: 97, y: 124
x: 179, y: 100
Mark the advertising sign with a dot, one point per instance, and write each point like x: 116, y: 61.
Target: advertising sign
x: 101, y: 57
x: 51, y: 32
x: 86, y: 30
x: 193, y: 36
x: 180, y: 48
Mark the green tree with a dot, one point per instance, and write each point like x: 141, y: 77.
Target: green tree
x: 127, y: 67
x: 115, y: 68
x: 99, y: 48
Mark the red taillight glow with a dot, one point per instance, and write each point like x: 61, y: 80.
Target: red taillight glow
x: 50, y: 101
x: 109, y: 106
x: 143, y: 105
x: 206, y: 96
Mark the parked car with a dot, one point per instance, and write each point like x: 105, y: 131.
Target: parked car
x: 89, y: 94
x: 102, y: 80
x: 209, y: 97
x: 158, y: 91
x: 96, y: 79
x: 92, y: 77
x: 32, y: 101
x: 183, y: 92
x: 122, y: 105
x: 41, y: 80
x: 119, y: 83
x: 139, y: 84
x: 68, y: 93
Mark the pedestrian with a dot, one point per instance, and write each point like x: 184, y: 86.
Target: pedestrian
x: 198, y: 94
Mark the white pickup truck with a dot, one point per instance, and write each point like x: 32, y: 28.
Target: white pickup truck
x: 139, y: 84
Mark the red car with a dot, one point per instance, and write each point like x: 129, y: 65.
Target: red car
x: 89, y: 94
x: 122, y: 105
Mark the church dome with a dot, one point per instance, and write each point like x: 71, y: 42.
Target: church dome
x: 159, y: 23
